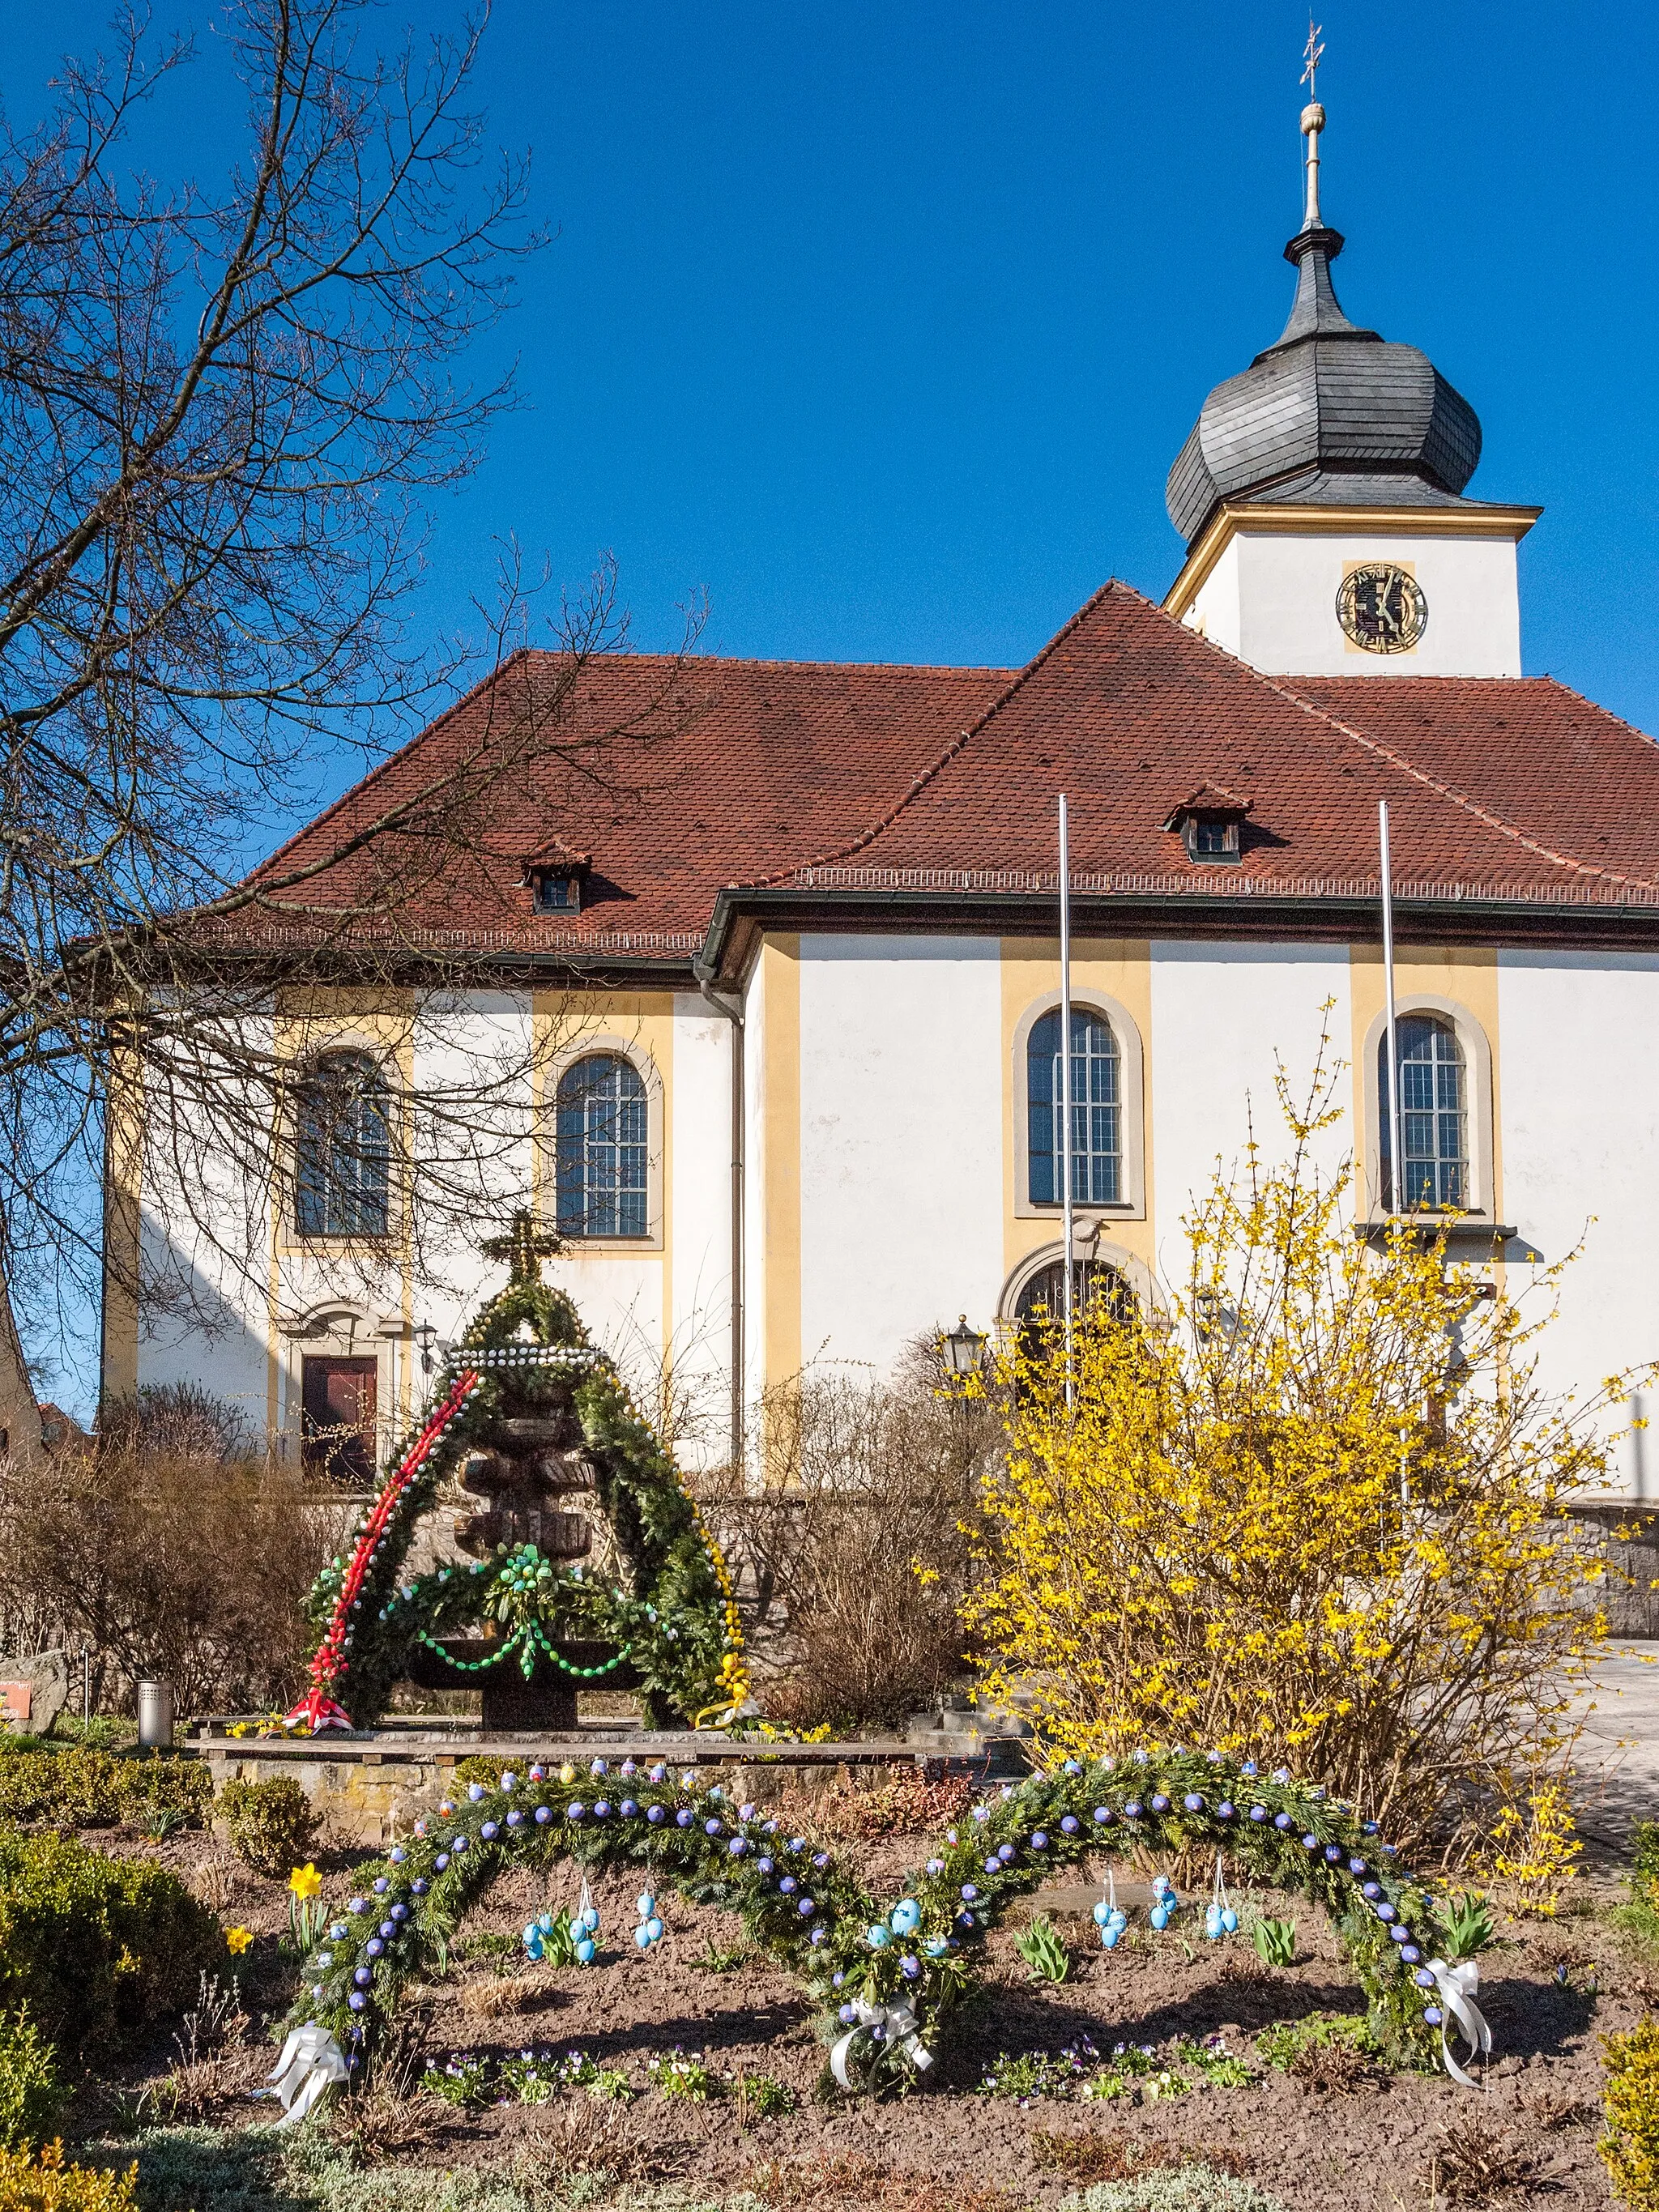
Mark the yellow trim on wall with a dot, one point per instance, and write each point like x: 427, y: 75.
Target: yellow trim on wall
x: 564, y: 1025
x: 1467, y: 975
x: 306, y: 1022
x: 780, y: 1129
x: 1116, y: 968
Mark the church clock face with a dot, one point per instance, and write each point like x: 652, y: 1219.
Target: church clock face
x: 1382, y: 608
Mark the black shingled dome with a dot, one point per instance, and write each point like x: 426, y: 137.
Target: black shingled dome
x: 1332, y: 416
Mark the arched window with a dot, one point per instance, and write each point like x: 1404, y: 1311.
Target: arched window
x: 1097, y: 1111
x: 1433, y: 1113
x: 603, y: 1144
x: 343, y: 1147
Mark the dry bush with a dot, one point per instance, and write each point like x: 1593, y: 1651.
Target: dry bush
x: 1089, y: 2159
x: 212, y: 2062
x: 496, y: 1998
x: 1554, y: 2109
x: 841, y: 2180
x: 1336, y: 2069
x: 853, y: 1553
x: 906, y: 1805
x: 1470, y: 2163
x: 578, y: 2136
x: 170, y: 1552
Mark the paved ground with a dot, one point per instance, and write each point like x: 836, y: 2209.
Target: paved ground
x: 1617, y: 1769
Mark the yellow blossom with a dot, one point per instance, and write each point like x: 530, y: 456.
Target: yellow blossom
x: 305, y: 1882
x: 238, y: 1940
x: 1308, y: 1509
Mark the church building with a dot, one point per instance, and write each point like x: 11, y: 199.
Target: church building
x: 799, y: 974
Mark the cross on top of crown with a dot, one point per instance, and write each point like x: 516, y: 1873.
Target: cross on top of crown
x: 524, y: 1246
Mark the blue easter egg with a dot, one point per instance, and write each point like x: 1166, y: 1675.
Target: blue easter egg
x: 1212, y: 1921
x: 654, y: 1928
x: 642, y: 1936
x: 584, y: 1951
x: 1229, y: 1920
x: 1110, y: 1938
x: 646, y: 1903
x: 878, y: 1937
x: 1160, y: 1916
x: 590, y: 1920
x: 1102, y: 1913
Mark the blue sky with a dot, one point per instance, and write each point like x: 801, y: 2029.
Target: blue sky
x: 880, y: 325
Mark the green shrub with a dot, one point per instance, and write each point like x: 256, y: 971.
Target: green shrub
x: 33, y: 2094
x: 1645, y: 1861
x: 1283, y: 2044
x: 96, y: 1946
x: 1630, y: 2149
x: 88, y: 1789
x: 270, y: 1824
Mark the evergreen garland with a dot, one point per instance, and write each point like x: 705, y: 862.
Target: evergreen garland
x: 922, y: 1948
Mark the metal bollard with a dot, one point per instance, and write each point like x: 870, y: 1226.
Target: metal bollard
x: 155, y: 1715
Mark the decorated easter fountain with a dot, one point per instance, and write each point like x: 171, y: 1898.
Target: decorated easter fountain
x: 587, y: 1562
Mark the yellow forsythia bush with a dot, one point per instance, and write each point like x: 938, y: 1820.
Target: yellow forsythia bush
x: 1309, y: 1511
x: 1630, y: 2149
x: 45, y: 2183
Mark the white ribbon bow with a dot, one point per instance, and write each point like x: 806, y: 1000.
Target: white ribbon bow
x: 1457, y: 1986
x: 310, y: 2066
x: 897, y: 2023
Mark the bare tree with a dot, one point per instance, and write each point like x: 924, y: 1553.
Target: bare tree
x: 223, y: 414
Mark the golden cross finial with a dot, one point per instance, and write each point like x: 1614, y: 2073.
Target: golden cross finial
x: 1311, y: 54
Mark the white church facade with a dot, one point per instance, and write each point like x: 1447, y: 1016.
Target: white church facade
x: 799, y: 984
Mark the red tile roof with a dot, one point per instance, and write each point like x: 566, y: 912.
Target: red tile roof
x: 822, y: 776
x: 676, y: 777
x: 1518, y: 789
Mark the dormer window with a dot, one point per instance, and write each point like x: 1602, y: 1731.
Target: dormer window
x: 557, y: 877
x: 556, y: 892
x: 1210, y: 823
x: 1212, y: 838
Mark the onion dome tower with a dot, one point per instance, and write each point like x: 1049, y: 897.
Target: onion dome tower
x: 1319, y: 493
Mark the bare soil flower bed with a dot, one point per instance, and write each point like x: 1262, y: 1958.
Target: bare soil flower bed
x: 1323, y: 2127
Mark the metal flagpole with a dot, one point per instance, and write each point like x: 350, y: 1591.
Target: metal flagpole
x: 1396, y: 1135
x: 1065, y: 1083
x: 1396, y: 1143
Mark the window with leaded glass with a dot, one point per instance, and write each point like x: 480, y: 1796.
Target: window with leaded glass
x: 1433, y: 1115
x: 603, y: 1139
x: 343, y: 1149
x: 1097, y: 1111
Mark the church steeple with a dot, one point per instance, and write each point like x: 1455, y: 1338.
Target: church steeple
x: 1327, y: 403
x: 1334, y: 434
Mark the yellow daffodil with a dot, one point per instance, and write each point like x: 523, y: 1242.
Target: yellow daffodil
x: 305, y: 1882
x: 239, y: 1940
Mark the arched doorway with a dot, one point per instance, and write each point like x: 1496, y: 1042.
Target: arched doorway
x: 1042, y: 1295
